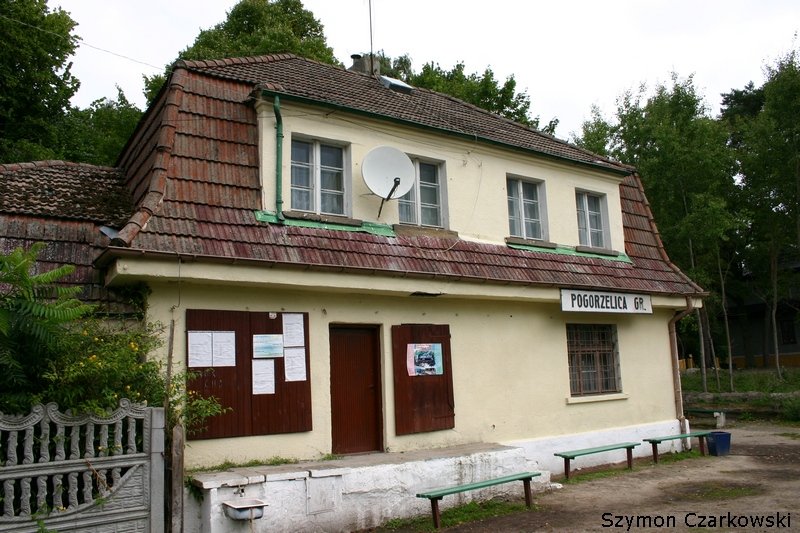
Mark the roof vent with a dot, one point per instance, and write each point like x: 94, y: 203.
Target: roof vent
x: 366, y: 64
x: 396, y: 85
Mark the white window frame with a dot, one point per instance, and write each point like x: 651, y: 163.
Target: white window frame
x: 513, y: 181
x: 412, y: 197
x: 588, y: 233
x: 315, y: 170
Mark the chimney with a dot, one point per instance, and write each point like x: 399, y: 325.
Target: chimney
x: 362, y: 64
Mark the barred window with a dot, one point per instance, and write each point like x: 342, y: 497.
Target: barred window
x: 593, y: 359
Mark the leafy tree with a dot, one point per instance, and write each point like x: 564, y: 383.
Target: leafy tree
x: 481, y: 90
x: 765, y: 131
x: 35, y: 79
x: 687, y: 170
x: 257, y: 27
x: 98, y: 133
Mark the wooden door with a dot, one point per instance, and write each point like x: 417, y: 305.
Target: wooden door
x: 356, y: 413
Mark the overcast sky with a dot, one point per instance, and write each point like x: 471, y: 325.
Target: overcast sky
x: 566, y: 55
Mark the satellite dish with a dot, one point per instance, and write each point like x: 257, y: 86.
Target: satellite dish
x: 388, y: 172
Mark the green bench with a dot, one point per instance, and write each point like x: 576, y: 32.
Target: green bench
x: 718, y: 414
x: 434, y: 495
x: 701, y: 437
x: 572, y: 454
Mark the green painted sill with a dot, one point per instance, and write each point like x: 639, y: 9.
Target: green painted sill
x: 386, y: 230
x: 366, y: 227
x: 567, y: 250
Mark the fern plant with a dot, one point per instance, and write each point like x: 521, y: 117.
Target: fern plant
x: 35, y: 308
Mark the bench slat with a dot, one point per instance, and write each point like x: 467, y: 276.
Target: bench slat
x: 658, y: 440
x: 572, y: 454
x: 444, y: 491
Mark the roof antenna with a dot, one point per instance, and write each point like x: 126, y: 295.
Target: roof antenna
x: 371, y: 55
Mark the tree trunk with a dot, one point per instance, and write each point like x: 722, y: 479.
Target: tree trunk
x: 773, y: 266
x: 702, y: 350
x: 725, y: 320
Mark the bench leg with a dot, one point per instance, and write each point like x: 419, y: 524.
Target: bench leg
x: 702, y: 440
x: 435, y: 512
x: 566, y: 467
x: 526, y: 483
x: 655, y: 452
x: 630, y: 458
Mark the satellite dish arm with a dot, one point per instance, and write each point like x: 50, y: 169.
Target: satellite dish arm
x: 389, y: 196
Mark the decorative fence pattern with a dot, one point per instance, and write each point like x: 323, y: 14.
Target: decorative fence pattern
x: 82, y: 473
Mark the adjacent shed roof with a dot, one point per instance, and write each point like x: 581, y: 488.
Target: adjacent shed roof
x: 64, y: 205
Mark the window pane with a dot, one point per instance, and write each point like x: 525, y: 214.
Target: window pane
x: 530, y: 192
x: 332, y: 180
x: 332, y: 203
x: 407, y: 212
x: 514, y: 223
x: 429, y: 194
x: 301, y: 199
x: 430, y: 216
x: 331, y: 156
x: 301, y: 176
x: 428, y: 173
x: 301, y: 152
x: 533, y: 229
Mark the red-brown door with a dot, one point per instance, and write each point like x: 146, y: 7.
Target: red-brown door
x: 356, y: 414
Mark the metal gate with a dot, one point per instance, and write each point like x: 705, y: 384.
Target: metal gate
x: 82, y: 473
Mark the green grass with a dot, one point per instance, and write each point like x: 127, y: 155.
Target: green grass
x: 751, y: 380
x: 462, y: 514
x: 715, y: 490
x: 227, y: 465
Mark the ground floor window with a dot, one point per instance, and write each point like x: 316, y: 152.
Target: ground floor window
x: 593, y: 359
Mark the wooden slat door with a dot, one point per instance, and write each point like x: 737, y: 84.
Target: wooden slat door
x: 356, y: 414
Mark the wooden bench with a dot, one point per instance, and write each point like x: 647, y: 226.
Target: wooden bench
x: 701, y: 436
x: 434, y: 495
x: 572, y: 454
x: 718, y: 415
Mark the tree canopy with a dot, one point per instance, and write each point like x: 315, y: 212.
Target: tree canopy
x: 35, y: 79
x: 257, y: 27
x: 479, y: 89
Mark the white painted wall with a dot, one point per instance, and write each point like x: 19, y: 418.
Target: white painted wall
x: 510, y: 369
x: 475, y: 173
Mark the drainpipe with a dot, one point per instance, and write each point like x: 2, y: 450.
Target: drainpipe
x: 676, y: 372
x: 276, y: 105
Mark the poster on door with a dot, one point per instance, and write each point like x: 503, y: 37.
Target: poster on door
x: 424, y: 360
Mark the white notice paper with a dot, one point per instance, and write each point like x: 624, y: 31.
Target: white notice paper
x: 200, y: 348
x: 294, y: 364
x: 263, y: 376
x: 224, y: 348
x: 293, y: 330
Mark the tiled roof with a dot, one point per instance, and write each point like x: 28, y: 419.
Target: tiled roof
x: 300, y: 78
x: 64, y: 205
x: 193, y: 168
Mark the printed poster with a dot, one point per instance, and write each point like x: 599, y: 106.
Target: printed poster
x: 424, y: 360
x: 263, y: 376
x: 294, y: 364
x: 211, y: 348
x: 294, y: 331
x: 267, y: 345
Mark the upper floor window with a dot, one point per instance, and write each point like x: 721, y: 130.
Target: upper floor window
x: 524, y: 209
x: 592, y: 225
x: 593, y: 359
x: 318, y: 180
x: 422, y: 205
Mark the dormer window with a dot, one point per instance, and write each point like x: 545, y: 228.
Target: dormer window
x: 318, y: 177
x: 422, y: 205
x: 592, y: 219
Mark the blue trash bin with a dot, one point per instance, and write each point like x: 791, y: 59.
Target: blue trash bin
x: 719, y: 443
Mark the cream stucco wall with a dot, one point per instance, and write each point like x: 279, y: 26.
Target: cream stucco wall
x: 510, y: 371
x: 474, y: 174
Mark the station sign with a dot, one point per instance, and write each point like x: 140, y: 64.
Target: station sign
x: 605, y: 302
